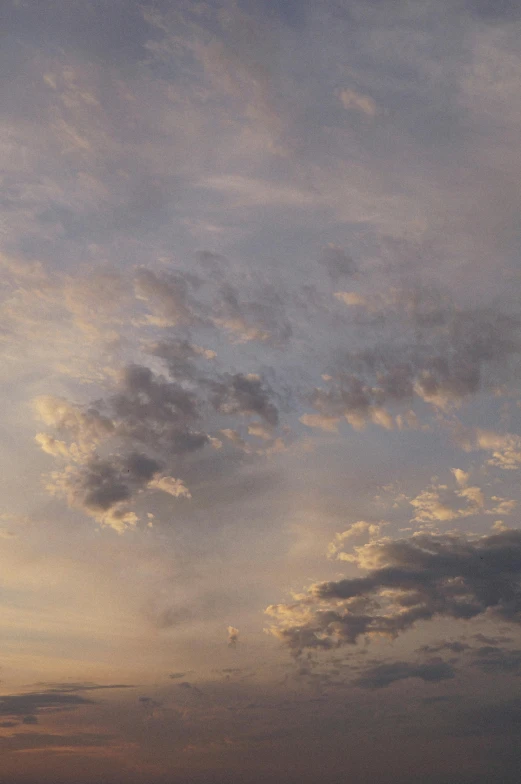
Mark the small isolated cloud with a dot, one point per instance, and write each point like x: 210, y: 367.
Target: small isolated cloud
x: 233, y: 636
x: 168, y: 484
x: 351, y: 99
x: 351, y: 298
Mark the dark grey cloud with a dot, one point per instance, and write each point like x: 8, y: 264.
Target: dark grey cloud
x: 39, y: 740
x: 439, y: 353
x: 416, y: 579
x: 492, y: 659
x: 494, y: 11
x: 337, y: 263
x: 167, y: 617
x: 244, y: 394
x: 383, y: 675
x: 31, y: 703
x: 180, y: 357
x: 26, y: 708
x: 447, y: 645
x: 441, y: 698
x: 66, y: 687
x: 487, y: 639
x: 187, y: 300
x: 495, y: 718
x: 169, y: 295
x: 261, y: 319
x: 153, y: 410
x: 150, y: 432
x: 100, y: 485
x: 189, y: 687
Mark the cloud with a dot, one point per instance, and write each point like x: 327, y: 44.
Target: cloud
x: 454, y: 646
x: 85, y: 425
x: 244, y: 394
x: 30, y: 704
x: 168, y: 484
x: 40, y: 741
x: 454, y: 354
x: 493, y: 660
x: 233, y: 636
x: 263, y: 319
x: 352, y: 399
x: 179, y: 356
x: 439, y: 503
x: 358, y: 533
x: 103, y: 487
x: 138, y: 436
x: 146, y: 410
x: 337, y: 262
x: 505, y: 447
x: 488, y: 640
x: 169, y: 296
x: 327, y: 423
x: 383, y: 675
x: 409, y: 580
x: 67, y: 687
x: 351, y: 99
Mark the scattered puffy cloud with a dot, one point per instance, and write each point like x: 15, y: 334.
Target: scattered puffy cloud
x: 440, y: 504
x: 357, y: 534
x: 209, y: 246
x: 137, y: 437
x: 505, y: 447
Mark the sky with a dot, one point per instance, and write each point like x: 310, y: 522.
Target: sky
x: 260, y: 335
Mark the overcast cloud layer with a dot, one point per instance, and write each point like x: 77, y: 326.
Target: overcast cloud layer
x: 260, y: 338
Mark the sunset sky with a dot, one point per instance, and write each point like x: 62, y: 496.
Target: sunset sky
x: 260, y: 334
